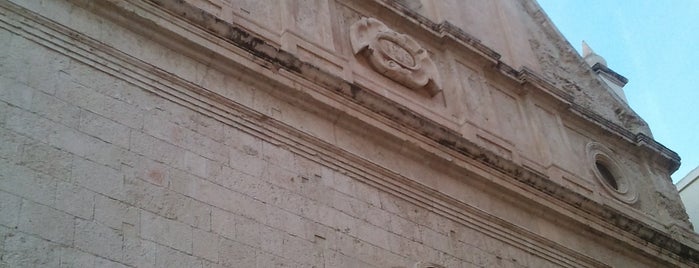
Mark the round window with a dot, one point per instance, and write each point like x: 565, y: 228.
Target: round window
x: 606, y: 175
x: 610, y: 175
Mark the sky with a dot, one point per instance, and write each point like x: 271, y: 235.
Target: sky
x: 655, y: 44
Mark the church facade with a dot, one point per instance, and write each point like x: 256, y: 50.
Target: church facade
x: 322, y: 133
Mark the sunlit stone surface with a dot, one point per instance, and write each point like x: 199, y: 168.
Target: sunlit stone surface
x: 249, y: 133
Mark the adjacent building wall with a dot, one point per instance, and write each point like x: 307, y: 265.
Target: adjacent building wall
x: 689, y: 192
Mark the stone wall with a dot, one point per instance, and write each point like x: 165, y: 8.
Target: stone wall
x: 99, y: 172
x: 122, y: 146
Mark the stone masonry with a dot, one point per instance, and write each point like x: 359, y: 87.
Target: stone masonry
x: 207, y: 133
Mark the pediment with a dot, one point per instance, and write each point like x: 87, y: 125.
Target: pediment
x: 524, y: 37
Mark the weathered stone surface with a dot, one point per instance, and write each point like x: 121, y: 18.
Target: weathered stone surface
x: 246, y: 134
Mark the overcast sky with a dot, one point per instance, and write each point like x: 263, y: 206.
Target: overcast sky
x: 655, y: 44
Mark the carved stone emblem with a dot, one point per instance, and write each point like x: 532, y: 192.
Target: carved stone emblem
x: 395, y: 55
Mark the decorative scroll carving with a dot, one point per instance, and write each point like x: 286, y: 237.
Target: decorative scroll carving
x: 395, y: 55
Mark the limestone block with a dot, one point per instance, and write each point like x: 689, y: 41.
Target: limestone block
x: 195, y: 164
x: 27, y: 183
x: 12, y: 145
x: 378, y: 217
x: 236, y: 227
x: 374, y: 235
x: 243, y: 183
x: 272, y: 240
x: 402, y: 207
x: 367, y: 194
x: 337, y: 259
x: 139, y: 252
x: 167, y: 203
x: 9, y: 209
x: 62, y: 137
x: 346, y: 244
x: 278, y: 155
x: 282, y: 177
x: 347, y: 204
x: 16, y: 93
x: 110, y: 86
x: 343, y: 183
x: 404, y: 228
x: 71, y: 257
x: 210, y: 264
x: 217, y: 196
x: 101, y: 262
x: 141, y: 167
x: 242, y: 141
x: 98, y: 178
x: 435, y: 240
x: 114, y: 213
x: 55, y: 109
x: 156, y: 149
x: 247, y: 162
x: 167, y: 257
x: 104, y: 129
x: 224, y: 223
x: 24, y: 250
x: 440, y: 225
x: 46, y: 222
x: 165, y: 231
x: 247, y: 231
x: 95, y: 102
x: 300, y: 250
x: 205, y: 245
x: 294, y: 203
x: 98, y: 239
x: 161, y: 128
x: 371, y: 254
x: 75, y: 200
x: 47, y: 159
x: 161, y: 109
x: 234, y: 254
x: 207, y: 126
x: 269, y: 260
x: 29, y: 124
x: 285, y: 221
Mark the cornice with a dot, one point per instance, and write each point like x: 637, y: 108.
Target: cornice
x: 271, y: 57
x: 618, y: 79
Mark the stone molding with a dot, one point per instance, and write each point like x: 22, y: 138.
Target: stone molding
x: 76, y: 45
x: 395, y: 55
